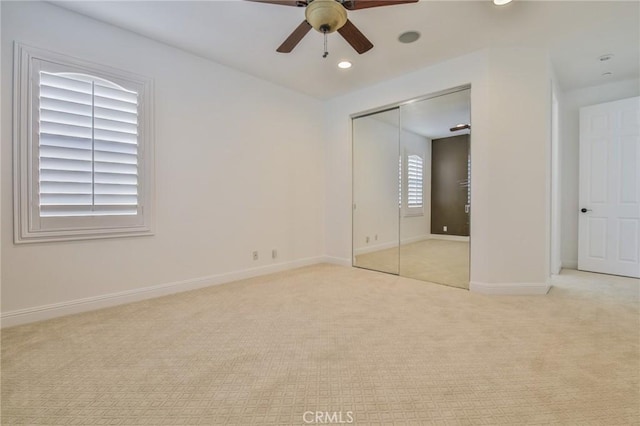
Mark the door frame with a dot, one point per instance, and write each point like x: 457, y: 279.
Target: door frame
x: 585, y: 205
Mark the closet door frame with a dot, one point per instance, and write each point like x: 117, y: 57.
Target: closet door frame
x: 389, y: 107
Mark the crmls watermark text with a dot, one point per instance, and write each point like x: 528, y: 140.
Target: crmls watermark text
x: 328, y: 417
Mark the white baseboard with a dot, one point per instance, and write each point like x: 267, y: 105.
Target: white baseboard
x: 39, y: 313
x: 416, y: 239
x: 570, y: 264
x: 510, y: 288
x: 449, y: 237
x: 377, y: 247
x: 337, y: 260
x: 392, y: 244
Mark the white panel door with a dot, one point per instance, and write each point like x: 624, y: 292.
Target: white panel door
x: 609, y: 216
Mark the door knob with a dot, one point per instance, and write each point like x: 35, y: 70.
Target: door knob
x: 583, y: 210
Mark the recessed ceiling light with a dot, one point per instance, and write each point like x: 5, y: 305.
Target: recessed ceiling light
x: 501, y: 2
x: 605, y: 57
x: 344, y: 65
x: 607, y: 74
x: 409, y: 37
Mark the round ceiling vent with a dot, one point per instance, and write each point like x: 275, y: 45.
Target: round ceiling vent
x: 409, y: 37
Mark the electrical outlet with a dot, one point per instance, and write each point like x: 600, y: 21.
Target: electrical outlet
x: 367, y: 240
x: 376, y: 237
x: 255, y: 255
x: 444, y: 229
x: 274, y: 254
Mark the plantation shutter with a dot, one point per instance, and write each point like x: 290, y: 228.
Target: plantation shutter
x: 400, y: 183
x: 414, y: 181
x: 88, y: 146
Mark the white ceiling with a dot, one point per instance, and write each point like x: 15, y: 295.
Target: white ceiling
x: 244, y: 35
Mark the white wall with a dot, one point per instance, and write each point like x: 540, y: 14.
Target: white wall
x: 518, y: 184
x: 570, y: 136
x: 2, y: 95
x: 556, y: 182
x: 238, y: 163
x: 510, y: 114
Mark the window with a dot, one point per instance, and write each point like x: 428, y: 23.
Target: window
x: 83, y: 139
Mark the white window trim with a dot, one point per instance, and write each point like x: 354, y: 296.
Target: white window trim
x: 406, y: 210
x: 25, y: 177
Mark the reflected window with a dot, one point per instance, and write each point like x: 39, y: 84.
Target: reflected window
x: 411, y: 184
x: 414, y: 181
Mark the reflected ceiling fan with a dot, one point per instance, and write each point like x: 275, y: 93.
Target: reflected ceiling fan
x: 327, y: 16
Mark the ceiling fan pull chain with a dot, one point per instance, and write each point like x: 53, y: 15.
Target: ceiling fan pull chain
x: 326, y: 52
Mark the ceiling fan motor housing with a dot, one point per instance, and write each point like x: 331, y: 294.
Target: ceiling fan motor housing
x: 326, y: 16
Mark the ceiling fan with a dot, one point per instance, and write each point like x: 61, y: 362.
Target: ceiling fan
x: 327, y: 16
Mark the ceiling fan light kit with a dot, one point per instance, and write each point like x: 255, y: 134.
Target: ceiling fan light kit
x: 326, y: 16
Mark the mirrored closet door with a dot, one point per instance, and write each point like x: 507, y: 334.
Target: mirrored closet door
x: 412, y: 200
x: 376, y: 180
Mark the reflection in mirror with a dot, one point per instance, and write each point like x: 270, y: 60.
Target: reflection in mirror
x: 375, y: 191
x: 436, y: 198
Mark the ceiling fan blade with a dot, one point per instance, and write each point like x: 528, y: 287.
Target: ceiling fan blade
x: 355, y: 38
x: 365, y: 4
x: 295, y: 37
x: 296, y: 3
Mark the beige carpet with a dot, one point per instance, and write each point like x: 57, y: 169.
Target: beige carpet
x: 391, y: 350
x: 437, y: 261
